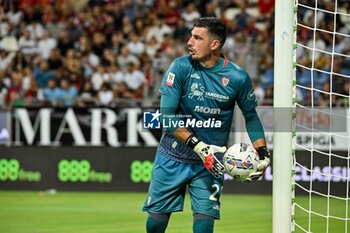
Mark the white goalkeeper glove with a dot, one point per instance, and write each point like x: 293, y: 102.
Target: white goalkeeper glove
x: 207, y: 154
x: 264, y: 162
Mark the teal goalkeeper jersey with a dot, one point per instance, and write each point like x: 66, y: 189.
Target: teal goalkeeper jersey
x: 206, y: 97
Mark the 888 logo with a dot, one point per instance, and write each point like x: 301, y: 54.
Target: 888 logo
x: 141, y: 171
x: 10, y: 170
x: 75, y: 170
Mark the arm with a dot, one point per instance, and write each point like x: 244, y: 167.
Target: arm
x: 247, y: 102
x: 257, y: 136
x: 182, y: 134
x: 206, y: 152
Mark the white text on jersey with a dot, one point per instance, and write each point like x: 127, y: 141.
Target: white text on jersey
x: 207, y: 110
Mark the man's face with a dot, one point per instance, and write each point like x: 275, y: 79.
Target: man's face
x: 200, y: 44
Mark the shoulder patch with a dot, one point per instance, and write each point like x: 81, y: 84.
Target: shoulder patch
x: 170, y: 79
x: 251, y: 95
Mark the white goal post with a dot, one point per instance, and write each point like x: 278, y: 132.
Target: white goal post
x: 283, y: 102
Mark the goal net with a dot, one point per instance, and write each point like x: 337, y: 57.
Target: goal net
x: 321, y: 166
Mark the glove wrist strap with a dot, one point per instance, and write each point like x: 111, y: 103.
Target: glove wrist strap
x: 192, y: 141
x: 263, y: 152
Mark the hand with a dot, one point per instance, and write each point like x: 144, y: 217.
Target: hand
x: 264, y: 162
x: 207, y: 154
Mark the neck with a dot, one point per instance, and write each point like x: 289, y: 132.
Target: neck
x: 211, y: 60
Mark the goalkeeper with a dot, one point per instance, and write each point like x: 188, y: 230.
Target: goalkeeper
x: 205, y: 86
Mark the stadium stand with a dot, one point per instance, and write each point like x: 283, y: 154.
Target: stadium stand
x: 114, y: 52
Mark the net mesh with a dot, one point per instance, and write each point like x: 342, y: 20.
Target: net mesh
x: 321, y: 140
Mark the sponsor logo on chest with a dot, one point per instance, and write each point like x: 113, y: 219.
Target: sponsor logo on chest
x: 197, y: 91
x: 216, y: 96
x: 207, y: 110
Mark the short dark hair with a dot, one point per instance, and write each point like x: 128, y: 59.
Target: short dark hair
x: 214, y: 26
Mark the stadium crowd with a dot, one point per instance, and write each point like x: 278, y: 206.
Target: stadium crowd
x: 115, y: 52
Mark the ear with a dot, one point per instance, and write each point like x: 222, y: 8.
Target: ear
x: 215, y: 44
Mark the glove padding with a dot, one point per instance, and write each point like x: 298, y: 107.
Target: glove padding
x: 264, y: 162
x: 207, y: 154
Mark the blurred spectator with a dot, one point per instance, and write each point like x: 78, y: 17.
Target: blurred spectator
x: 171, y: 13
x: 71, y: 62
x: 127, y: 27
x: 105, y: 95
x: 251, y: 30
x: 26, y: 44
x: 82, y: 45
x: 117, y: 42
x: 33, y: 93
x: 36, y: 30
x: 45, y: 45
x: 89, y: 61
x: 108, y: 58
x: 339, y: 74
x: 99, y: 43
x: 125, y: 58
x: 190, y: 14
x: 27, y: 78
x: 55, y: 60
x: 212, y: 9
x: 266, y: 7
x: 268, y: 75
x: 6, y: 59
x: 15, y: 94
x: 50, y: 92
x: 116, y: 75
x: 87, y: 95
x: 158, y: 29
x: 133, y: 83
x: 135, y: 45
x: 66, y: 93
x: 42, y: 74
x: 324, y: 96
x: 181, y: 32
x: 99, y: 77
x: 242, y: 17
x: 316, y: 43
x: 241, y: 49
x: 268, y: 95
x: 344, y: 11
x: 55, y: 26
x: 303, y: 76
x: 64, y: 43
x: 140, y: 27
x: 152, y: 46
x: 74, y: 30
x: 14, y: 15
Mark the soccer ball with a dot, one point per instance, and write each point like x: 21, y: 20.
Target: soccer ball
x: 240, y: 160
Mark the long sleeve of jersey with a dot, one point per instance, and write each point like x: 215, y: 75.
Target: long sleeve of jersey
x: 253, y: 125
x: 168, y: 107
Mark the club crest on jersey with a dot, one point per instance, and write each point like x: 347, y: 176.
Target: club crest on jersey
x: 170, y: 79
x: 197, y: 91
x: 225, y: 81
